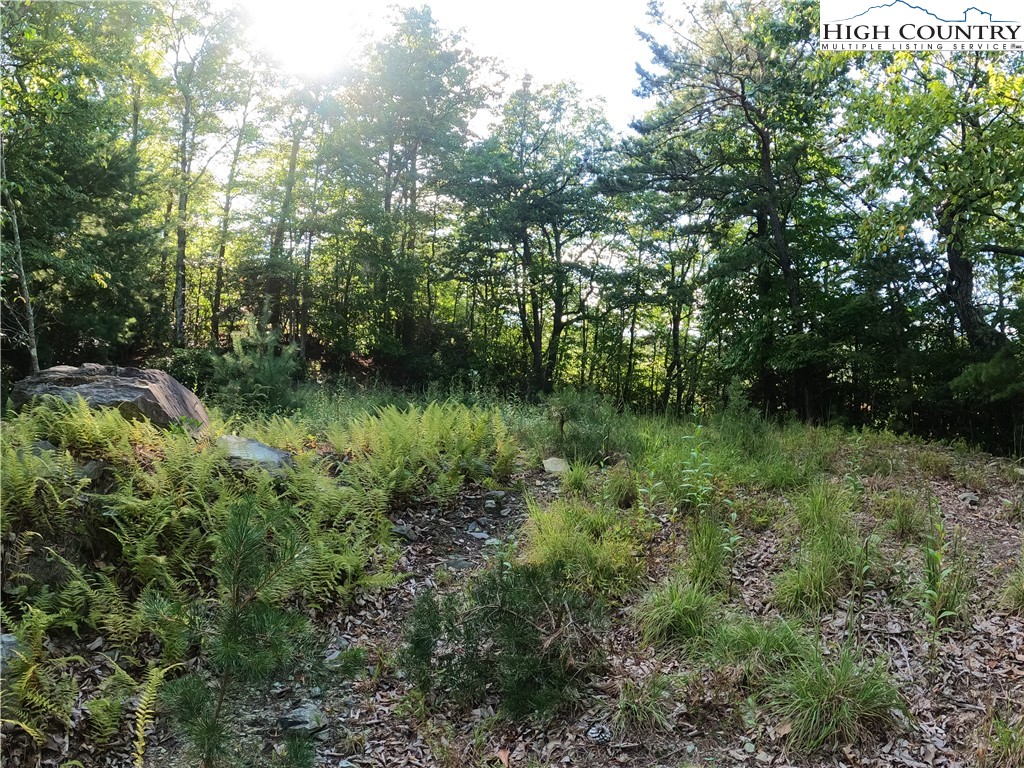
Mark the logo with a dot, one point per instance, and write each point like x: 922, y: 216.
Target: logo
x: 921, y: 25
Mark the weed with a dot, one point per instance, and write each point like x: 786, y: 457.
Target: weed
x: 832, y: 701
x: 945, y: 581
x: 676, y: 611
x: 971, y: 476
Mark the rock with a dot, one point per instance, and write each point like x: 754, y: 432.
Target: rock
x: 305, y: 719
x: 490, y: 505
x: 556, y: 466
x: 136, y: 392
x: 91, y: 470
x: 406, y: 531
x: 9, y: 645
x: 480, y: 535
x: 496, y: 496
x: 971, y: 499
x: 39, y: 447
x: 475, y: 527
x: 459, y: 564
x: 243, y: 453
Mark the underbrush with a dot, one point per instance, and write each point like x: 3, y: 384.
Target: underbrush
x: 155, y: 541
x: 520, y: 630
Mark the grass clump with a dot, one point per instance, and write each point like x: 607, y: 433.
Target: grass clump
x: 709, y: 561
x: 905, y: 517
x: 676, y: 612
x: 1012, y: 597
x: 643, y: 707
x: 595, y: 544
x: 760, y: 647
x: 520, y: 630
x: 619, y: 488
x: 832, y: 701
x: 832, y: 558
x: 576, y: 482
x: 1003, y: 746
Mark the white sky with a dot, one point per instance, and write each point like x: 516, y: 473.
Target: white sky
x: 593, y: 44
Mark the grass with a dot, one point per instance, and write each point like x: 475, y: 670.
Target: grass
x: 761, y: 647
x: 595, y: 544
x: 1012, y: 597
x: 833, y: 558
x: 576, y: 482
x: 1003, y: 745
x: 709, y: 559
x: 904, y: 515
x: 676, y: 612
x: 833, y: 701
x: 643, y: 708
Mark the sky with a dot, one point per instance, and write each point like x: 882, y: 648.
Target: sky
x: 594, y: 44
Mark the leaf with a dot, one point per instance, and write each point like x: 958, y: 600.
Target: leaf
x: 503, y: 755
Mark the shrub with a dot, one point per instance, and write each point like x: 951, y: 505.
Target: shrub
x: 834, y: 701
x: 676, y: 611
x: 520, y: 630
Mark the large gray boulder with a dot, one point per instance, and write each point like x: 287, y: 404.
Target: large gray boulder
x: 135, y: 392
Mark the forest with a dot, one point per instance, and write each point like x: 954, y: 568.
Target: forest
x: 475, y: 432
x: 839, y: 234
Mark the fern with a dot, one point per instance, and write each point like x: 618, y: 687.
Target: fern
x: 107, y: 707
x: 146, y: 709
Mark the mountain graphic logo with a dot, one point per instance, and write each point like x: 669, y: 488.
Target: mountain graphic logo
x: 903, y: 5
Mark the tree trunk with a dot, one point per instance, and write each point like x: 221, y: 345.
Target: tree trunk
x: 23, y: 289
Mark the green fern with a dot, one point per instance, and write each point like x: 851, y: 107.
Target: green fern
x: 146, y: 709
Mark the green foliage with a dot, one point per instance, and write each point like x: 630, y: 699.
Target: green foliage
x: 520, y: 630
x: 677, y: 612
x: 832, y: 701
x: 258, y: 374
x: 248, y: 636
x: 596, y: 545
x: 423, y: 451
x: 679, y: 472
x: 945, y: 583
x: 584, y: 428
